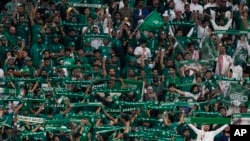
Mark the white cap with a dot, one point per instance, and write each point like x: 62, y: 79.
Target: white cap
x: 165, y: 14
x: 1, y: 73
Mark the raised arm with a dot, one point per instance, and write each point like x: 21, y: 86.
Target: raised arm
x: 220, y: 129
x: 179, y: 91
x: 197, y: 131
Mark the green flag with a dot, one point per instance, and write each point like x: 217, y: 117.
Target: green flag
x: 208, y: 50
x: 237, y: 94
x: 137, y: 87
x: 152, y: 22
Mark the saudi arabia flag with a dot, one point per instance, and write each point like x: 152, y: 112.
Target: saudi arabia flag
x: 152, y: 22
x: 238, y: 94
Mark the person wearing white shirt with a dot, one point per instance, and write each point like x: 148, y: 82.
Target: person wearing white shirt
x: 179, y: 5
x: 194, y: 93
x: 211, y: 3
x: 240, y: 54
x: 194, y: 6
x: 224, y: 61
x: 171, y: 11
x: 142, y: 51
x: 204, y: 134
x: 107, y: 26
x: 96, y: 42
x: 221, y: 24
x: 203, y: 29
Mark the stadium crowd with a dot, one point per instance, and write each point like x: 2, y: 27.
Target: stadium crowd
x: 132, y: 70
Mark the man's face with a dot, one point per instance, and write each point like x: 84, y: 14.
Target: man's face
x: 223, y: 112
x: 170, y: 63
x: 187, y: 8
x: 12, y: 30
x: 140, y: 3
x: 95, y: 30
x: 222, y: 50
x: 56, y: 40
x: 187, y: 56
x: 186, y: 133
x: 87, y: 11
x: 117, y: 16
x: 1, y: 28
x: 171, y: 71
x: 131, y: 73
x: 206, y: 127
x: 187, y: 72
x: 11, y: 61
x: 171, y: 5
x: 46, y: 54
x: 208, y: 75
x: 39, y: 40
x: 114, y: 59
x: 171, y: 89
x: 47, y: 63
x: 72, y: 33
x: 43, y: 73
x: 20, y: 9
x: 29, y: 63
x: 125, y: 2
x: 196, y: 90
x: 4, y: 41
x: 112, y: 72
x: 22, y: 19
x: 143, y: 45
x: 155, y: 2
x: 113, y: 33
x: 67, y: 53
x: 198, y: 79
x: 10, y: 72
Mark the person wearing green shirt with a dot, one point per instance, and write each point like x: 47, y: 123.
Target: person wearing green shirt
x: 72, y: 37
x: 230, y: 47
x: 4, y: 48
x: 10, y: 64
x: 171, y: 95
x: 29, y: 68
x: 23, y: 29
x: 56, y: 49
x: 2, y: 30
x: 67, y: 59
x: 114, y: 63
x: 47, y: 65
x: 36, y: 51
x: 105, y: 47
x: 131, y: 65
x: 47, y: 36
x: 88, y: 50
x: 36, y: 28
x: 172, y: 77
x: 170, y: 123
x: 152, y: 43
x: 80, y: 56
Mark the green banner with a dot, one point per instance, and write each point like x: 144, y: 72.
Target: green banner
x: 101, y: 35
x: 136, y: 86
x: 234, y: 32
x: 207, y: 120
x: 88, y: 5
x: 182, y: 23
x: 31, y: 119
